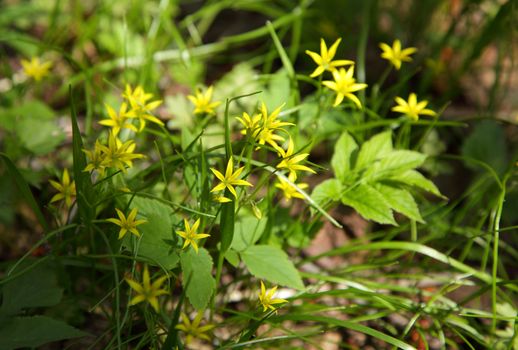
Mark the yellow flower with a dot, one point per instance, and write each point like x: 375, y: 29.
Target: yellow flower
x: 127, y: 223
x: 289, y: 191
x: 96, y: 159
x: 230, y: 179
x: 190, y: 236
x: 290, y: 162
x: 147, y: 291
x: 344, y: 85
x: 119, y: 155
x: 250, y: 124
x: 36, y: 69
x: 202, y: 102
x: 193, y: 329
x: 118, y: 121
x: 266, y: 298
x: 140, y: 107
x: 412, y: 108
x: 325, y: 59
x: 66, y: 189
x: 395, y: 55
x: 270, y: 124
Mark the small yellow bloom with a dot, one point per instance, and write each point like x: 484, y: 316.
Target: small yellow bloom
x: 118, y: 121
x: 230, y: 179
x: 147, y: 291
x: 96, y: 159
x: 140, y: 107
x: 127, y: 223
x: 412, y: 108
x: 289, y: 191
x: 190, y: 236
x: 202, y: 102
x: 269, y: 125
x: 290, y: 161
x: 36, y: 69
x: 66, y: 189
x: 266, y: 298
x: 193, y: 329
x: 344, y: 85
x: 119, y: 155
x: 395, y: 55
x: 251, y: 124
x: 325, y: 59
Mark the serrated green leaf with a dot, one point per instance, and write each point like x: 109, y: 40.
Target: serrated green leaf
x: 394, y: 162
x: 376, y: 148
x: 272, y: 264
x: 400, y: 200
x: 327, y: 191
x: 31, y: 332
x: 36, y: 288
x: 342, y: 157
x: 156, y: 233
x: 197, y: 277
x: 416, y: 179
x: 248, y: 229
x: 369, y: 203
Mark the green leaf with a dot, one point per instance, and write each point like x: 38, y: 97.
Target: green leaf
x: 416, y: 179
x: 248, y: 229
x: 394, y: 162
x: 156, y: 232
x: 376, y: 148
x: 272, y: 264
x: 342, y: 157
x: 36, y: 288
x: 400, y: 200
x: 197, y: 277
x: 39, y: 136
x: 369, y: 203
x: 327, y: 191
x: 31, y: 332
x: 24, y: 189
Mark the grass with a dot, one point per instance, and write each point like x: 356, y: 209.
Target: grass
x: 402, y: 239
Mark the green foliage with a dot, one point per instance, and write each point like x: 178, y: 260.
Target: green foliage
x: 375, y: 179
x: 198, y: 281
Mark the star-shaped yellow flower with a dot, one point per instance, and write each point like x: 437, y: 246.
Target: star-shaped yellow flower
x: 36, y: 69
x: 290, y: 161
x: 325, y: 59
x: 190, y: 236
x: 118, y: 154
x: 269, y: 125
x: 96, y: 159
x: 127, y: 223
x: 66, y: 189
x: 230, y: 179
x: 193, y: 329
x: 412, y: 108
x: 395, y: 55
x: 140, y: 107
x: 344, y: 85
x: 266, y: 298
x: 289, y: 191
x: 147, y: 291
x: 251, y: 124
x: 202, y: 102
x: 118, y: 121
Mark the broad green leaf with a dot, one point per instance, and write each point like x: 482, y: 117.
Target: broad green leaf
x: 34, y: 331
x: 248, y: 229
x: 272, y: 264
x: 35, y: 288
x: 394, y: 162
x: 156, y: 233
x: 400, y: 200
x: 327, y: 191
x: 39, y: 136
x: 197, y: 276
x: 342, y: 157
x: 369, y: 203
x: 232, y: 257
x: 376, y: 148
x: 416, y: 179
